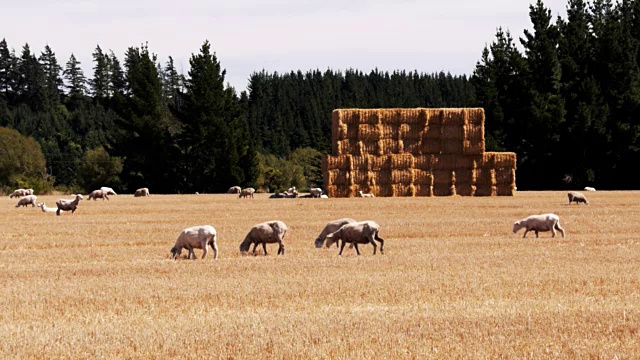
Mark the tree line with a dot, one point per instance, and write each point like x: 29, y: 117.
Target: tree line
x: 565, y: 100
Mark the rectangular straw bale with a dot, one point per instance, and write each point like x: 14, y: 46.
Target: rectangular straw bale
x: 489, y: 160
x: 384, y: 190
x: 468, y: 161
x: 370, y: 147
x: 353, y: 131
x: 401, y: 161
x: 463, y: 176
x: 483, y: 189
x: 425, y: 162
x: 463, y: 189
x: 505, y: 159
x: 400, y: 190
x: 474, y: 116
x: 442, y: 177
x: 344, y: 147
x: 422, y: 118
x: 346, y: 116
x: 338, y: 191
x: 342, y: 132
x: 446, y: 162
x: 441, y: 190
x: 505, y: 176
x: 412, y: 146
x: 378, y: 163
x: 422, y: 177
x: 452, y: 146
x: 359, y: 162
x: 505, y: 190
x: 370, y: 116
x: 338, y: 177
x: 473, y: 139
x: 360, y: 177
x: 369, y: 132
x: 382, y: 177
x: 337, y: 162
x: 388, y: 146
x: 402, y: 176
x: 389, y: 131
x: 424, y: 190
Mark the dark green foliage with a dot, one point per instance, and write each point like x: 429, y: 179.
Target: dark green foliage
x: 98, y: 169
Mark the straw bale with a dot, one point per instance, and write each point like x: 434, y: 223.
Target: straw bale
x: 400, y: 147
x: 398, y: 190
x: 412, y: 146
x: 422, y: 119
x: 505, y: 190
x: 343, y: 132
x: 473, y: 139
x: 446, y: 162
x: 382, y: 177
x: 422, y: 177
x: 372, y: 116
x: 335, y: 191
x: 402, y: 176
x: 338, y: 177
x: 337, y: 162
x: 441, y: 190
x: 378, y: 163
x: 451, y: 146
x: 426, y: 162
x: 388, y: 146
x: 389, y: 131
x: 424, y: 190
x: 474, y: 116
x: 368, y: 132
x: 359, y: 162
x: 370, y: 147
x: 353, y: 131
x: 401, y: 161
x: 454, y: 117
x: 504, y: 159
x: 360, y: 177
x: 464, y: 176
x: 463, y: 188
x: 505, y: 176
x: 442, y: 177
x: 384, y: 191
x: 489, y: 160
x: 345, y: 147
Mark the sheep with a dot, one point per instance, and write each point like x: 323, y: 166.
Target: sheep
x: 315, y: 192
x: 291, y: 195
x: 234, y: 190
x: 26, y: 200
x: 196, y: 237
x: 98, y: 194
x: 109, y: 190
x: 266, y: 232
x: 291, y: 190
x: 324, y: 196
x: 361, y: 194
x: 362, y: 232
x: 331, y: 227
x: 46, y: 209
x: 248, y: 192
x: 68, y: 205
x: 277, y: 195
x: 578, y: 197
x: 141, y: 192
x: 19, y: 193
x: 589, y: 188
x: 536, y: 223
x: 29, y: 191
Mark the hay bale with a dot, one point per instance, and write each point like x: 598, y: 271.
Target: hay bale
x: 338, y: 177
x: 504, y: 159
x: 446, y: 162
x: 382, y: 177
x: 379, y: 163
x: 402, y: 161
x: 359, y: 162
x: 422, y: 177
x: 505, y: 176
x: 399, y: 190
x: 404, y: 177
x: 426, y: 162
x: 424, y: 190
x: 369, y: 132
x: 388, y: 146
x: 337, y: 162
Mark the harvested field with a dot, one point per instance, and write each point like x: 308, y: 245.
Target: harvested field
x: 454, y: 282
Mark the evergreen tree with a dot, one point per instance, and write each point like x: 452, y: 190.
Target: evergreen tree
x: 101, y: 75
x: 8, y: 64
x: 76, y: 81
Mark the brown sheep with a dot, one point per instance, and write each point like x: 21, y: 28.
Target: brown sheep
x: 263, y: 233
x: 98, y: 194
x: 248, y: 192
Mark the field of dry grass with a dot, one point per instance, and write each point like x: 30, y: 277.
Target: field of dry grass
x: 454, y: 282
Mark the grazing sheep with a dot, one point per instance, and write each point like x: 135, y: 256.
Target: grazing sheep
x: 248, y: 192
x: 234, y: 190
x: 578, y: 197
x: 109, y: 190
x: 29, y: 191
x: 361, y: 194
x: 98, y: 194
x: 68, y: 205
x: 18, y: 193
x: 536, y: 223
x: 315, y: 192
x: 141, y: 192
x: 26, y: 200
x: 46, y: 209
x: 362, y: 232
x: 331, y: 227
x: 266, y: 232
x: 277, y: 195
x: 196, y: 237
x: 589, y: 188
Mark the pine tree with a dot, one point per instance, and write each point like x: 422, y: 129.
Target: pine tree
x: 101, y: 75
x: 8, y: 63
x: 76, y: 81
x: 52, y: 71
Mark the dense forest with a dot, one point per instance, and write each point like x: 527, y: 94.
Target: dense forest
x: 565, y: 97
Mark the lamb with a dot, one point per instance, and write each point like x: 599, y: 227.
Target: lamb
x: 266, y: 232
x: 362, y: 232
x: 234, y: 190
x: 315, y: 192
x: 19, y: 193
x: 98, y: 194
x: 248, y: 192
x: 141, y: 192
x: 578, y: 197
x: 536, y: 223
x: 26, y: 200
x: 589, y: 188
x: 331, y: 227
x: 196, y: 237
x: 109, y: 190
x: 46, y: 209
x: 68, y: 205
x: 361, y: 194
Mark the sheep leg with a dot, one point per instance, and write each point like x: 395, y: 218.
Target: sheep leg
x: 381, y: 240
x: 560, y: 229
x: 255, y: 245
x: 355, y: 245
x: 264, y: 247
x: 281, y: 249
x: 214, y: 246
x: 525, y: 233
x: 536, y: 231
x: 553, y: 231
x: 375, y: 247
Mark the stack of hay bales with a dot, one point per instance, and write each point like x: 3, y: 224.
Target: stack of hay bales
x: 414, y: 152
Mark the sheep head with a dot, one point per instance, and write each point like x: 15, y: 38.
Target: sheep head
x: 175, y: 252
x: 332, y: 238
x: 318, y: 243
x: 517, y: 226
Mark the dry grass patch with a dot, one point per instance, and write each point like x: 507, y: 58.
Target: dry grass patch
x: 454, y: 282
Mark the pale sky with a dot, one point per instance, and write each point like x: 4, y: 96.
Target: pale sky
x: 250, y: 35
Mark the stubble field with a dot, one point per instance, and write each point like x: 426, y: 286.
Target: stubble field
x: 454, y: 282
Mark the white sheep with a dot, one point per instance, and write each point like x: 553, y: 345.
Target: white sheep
x: 196, y: 237
x: 536, y: 223
x: 234, y: 190
x: 361, y: 194
x: 68, y: 205
x: 578, y: 197
x: 18, y: 193
x: 248, y: 192
x: 26, y: 200
x: 98, y: 194
x: 331, y: 227
x: 46, y: 209
x: 315, y: 192
x: 29, y: 191
x: 141, y: 192
x: 589, y: 188
x: 265, y: 233
x: 109, y: 190
x: 324, y: 196
x: 362, y: 232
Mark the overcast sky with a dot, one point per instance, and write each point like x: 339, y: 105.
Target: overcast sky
x: 284, y: 35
